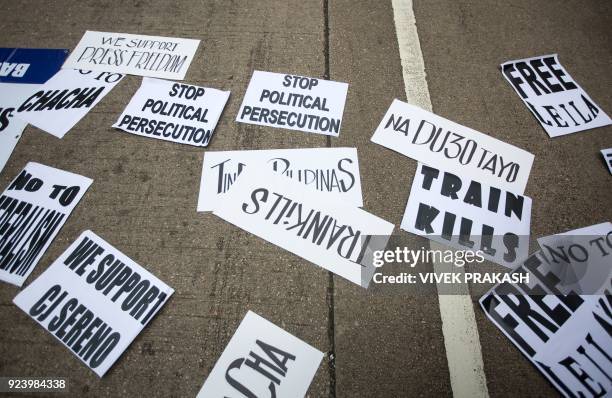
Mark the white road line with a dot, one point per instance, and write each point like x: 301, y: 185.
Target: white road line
x: 461, y: 339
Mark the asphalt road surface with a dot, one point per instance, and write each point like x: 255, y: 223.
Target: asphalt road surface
x: 144, y: 194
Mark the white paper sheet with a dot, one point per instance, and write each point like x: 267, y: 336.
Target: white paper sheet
x: 553, y: 96
x: 154, y: 56
x: 327, y: 232
x: 468, y: 215
x: 439, y: 142
x: 294, y: 102
x: 22, y: 72
x: 65, y: 99
x: 582, y: 258
x: 95, y: 300
x: 174, y: 112
x: 262, y: 360
x: 11, y: 96
x: 567, y: 337
x: 32, y: 210
x: 334, y: 171
x: 607, y: 155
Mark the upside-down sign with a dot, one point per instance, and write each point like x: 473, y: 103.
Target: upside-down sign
x: 324, y: 230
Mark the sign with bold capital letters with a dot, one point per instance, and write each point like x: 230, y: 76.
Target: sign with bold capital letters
x: 95, y: 300
x: 32, y: 211
x: 556, y: 100
x: 262, y: 360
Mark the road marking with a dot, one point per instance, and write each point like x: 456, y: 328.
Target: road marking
x: 461, y: 339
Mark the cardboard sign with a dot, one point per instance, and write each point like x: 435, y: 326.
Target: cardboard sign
x: 262, y: 360
x: 174, y: 112
x: 567, y: 337
x: 95, y: 300
x: 30, y: 65
x: 327, y: 232
x: 468, y: 215
x: 294, y: 102
x: 438, y: 142
x: 607, y: 155
x: 334, y: 171
x: 555, y: 99
x: 154, y: 56
x: 22, y: 70
x: 65, y: 99
x: 32, y: 210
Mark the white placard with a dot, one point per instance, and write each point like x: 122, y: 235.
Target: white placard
x: 334, y: 171
x: 95, y: 300
x: 468, y: 215
x: 327, y: 232
x: 555, y: 99
x: 262, y: 360
x: 600, y: 229
x: 11, y: 96
x: 294, y: 102
x: 65, y: 99
x: 22, y: 71
x: 154, y: 56
x: 173, y: 112
x: 32, y: 210
x: 607, y: 155
x: 439, y: 142
x: 566, y: 337
x: 570, y: 252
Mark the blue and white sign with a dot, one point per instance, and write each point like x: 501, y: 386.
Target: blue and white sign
x: 22, y: 71
x: 30, y: 65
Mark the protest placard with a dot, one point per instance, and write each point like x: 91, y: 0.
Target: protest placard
x: 566, y: 335
x: 320, y: 229
x: 580, y: 258
x: 22, y: 71
x: 557, y: 101
x: 11, y: 96
x: 262, y: 360
x: 154, y: 56
x: 294, y: 102
x: 334, y: 171
x: 30, y: 65
x: 173, y: 112
x: 468, y: 215
x: 65, y: 99
x: 32, y: 210
x: 95, y: 300
x: 439, y: 142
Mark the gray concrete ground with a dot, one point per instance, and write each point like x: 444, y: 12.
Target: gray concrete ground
x: 144, y: 194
